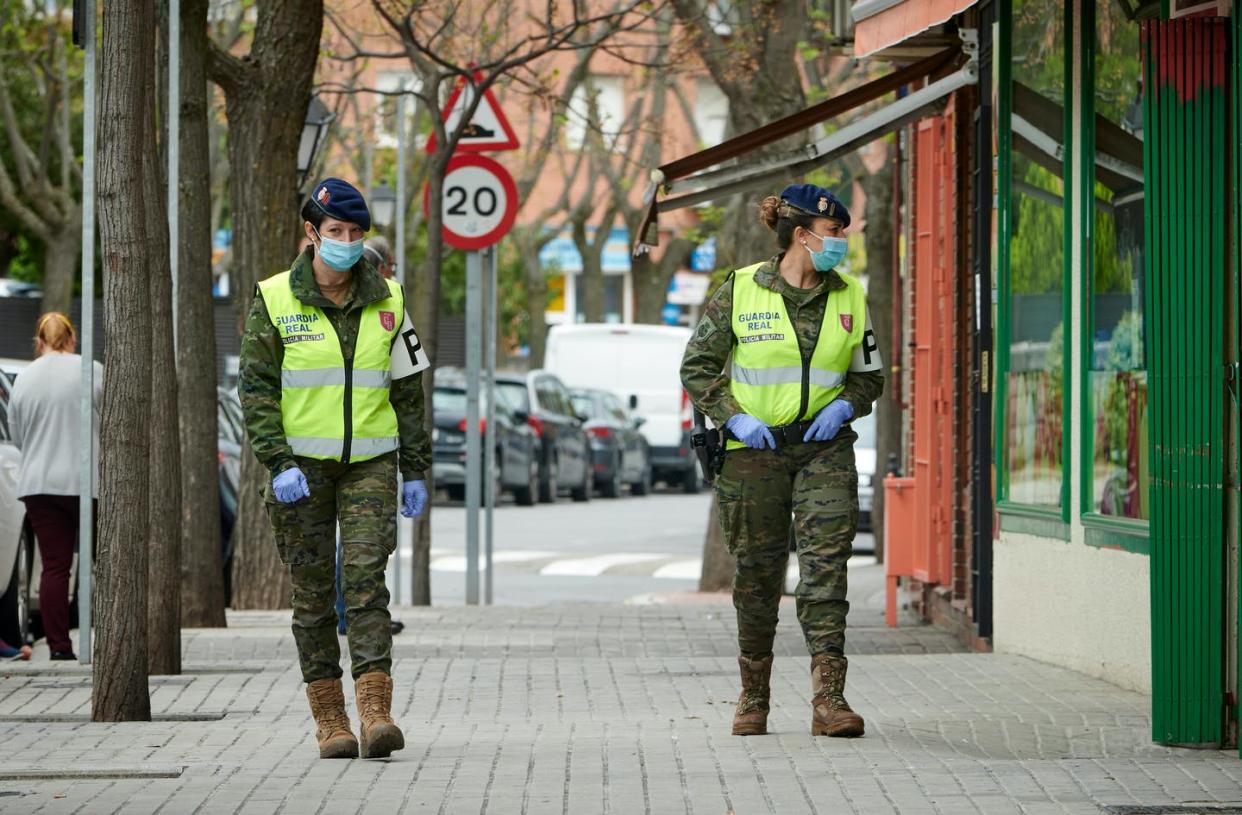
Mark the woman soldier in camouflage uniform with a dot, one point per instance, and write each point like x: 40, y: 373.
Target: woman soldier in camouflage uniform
x: 331, y: 388
x: 804, y: 363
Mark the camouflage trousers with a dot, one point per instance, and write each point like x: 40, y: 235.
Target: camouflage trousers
x: 362, y: 498
x: 808, y: 491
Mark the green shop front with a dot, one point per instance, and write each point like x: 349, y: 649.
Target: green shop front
x: 1116, y: 389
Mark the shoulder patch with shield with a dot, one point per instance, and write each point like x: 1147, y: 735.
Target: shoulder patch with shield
x: 388, y: 320
x: 847, y: 322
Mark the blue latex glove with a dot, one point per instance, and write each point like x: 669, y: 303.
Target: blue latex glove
x: 290, y: 486
x: 829, y: 420
x: 751, y: 432
x: 413, y: 498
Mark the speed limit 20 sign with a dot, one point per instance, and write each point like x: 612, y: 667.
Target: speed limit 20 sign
x: 479, y: 202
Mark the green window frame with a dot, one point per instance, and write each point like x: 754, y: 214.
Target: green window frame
x: 1101, y: 530
x: 1048, y: 521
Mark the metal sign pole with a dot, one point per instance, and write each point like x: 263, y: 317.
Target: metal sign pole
x: 174, y: 157
x: 474, y: 478
x: 399, y: 260
x: 492, y: 464
x: 86, y: 470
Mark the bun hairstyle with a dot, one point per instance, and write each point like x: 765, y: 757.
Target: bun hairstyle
x: 782, y: 219
x: 55, y: 332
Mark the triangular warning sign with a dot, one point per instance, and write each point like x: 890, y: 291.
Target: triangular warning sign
x: 489, y: 129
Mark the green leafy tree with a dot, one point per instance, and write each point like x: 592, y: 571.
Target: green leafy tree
x: 40, y: 137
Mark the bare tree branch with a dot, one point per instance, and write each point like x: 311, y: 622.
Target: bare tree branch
x: 29, y: 219
x: 226, y: 70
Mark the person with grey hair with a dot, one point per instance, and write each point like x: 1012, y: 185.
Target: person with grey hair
x: 379, y: 253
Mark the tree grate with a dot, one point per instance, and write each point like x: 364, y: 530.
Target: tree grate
x: 1173, y: 809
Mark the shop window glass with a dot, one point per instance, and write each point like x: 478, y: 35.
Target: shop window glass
x: 1118, y: 376
x: 1033, y: 432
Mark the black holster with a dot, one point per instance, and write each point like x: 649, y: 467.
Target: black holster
x: 708, y: 447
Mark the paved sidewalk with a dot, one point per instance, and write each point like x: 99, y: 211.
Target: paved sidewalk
x: 595, y: 709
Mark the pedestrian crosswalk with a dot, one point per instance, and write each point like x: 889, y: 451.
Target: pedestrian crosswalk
x: 613, y: 564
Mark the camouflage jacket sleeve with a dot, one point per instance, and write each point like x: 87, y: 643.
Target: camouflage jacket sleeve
x: 861, y: 390
x: 258, y: 387
x: 406, y: 396
x: 864, y: 381
x: 703, y: 365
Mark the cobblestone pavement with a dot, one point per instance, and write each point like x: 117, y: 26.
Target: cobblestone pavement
x: 601, y: 709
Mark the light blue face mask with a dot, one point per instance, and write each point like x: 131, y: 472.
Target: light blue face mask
x: 339, y: 255
x: 832, y: 253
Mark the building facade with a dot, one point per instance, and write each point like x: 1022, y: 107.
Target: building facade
x: 1095, y: 198
x: 1065, y: 346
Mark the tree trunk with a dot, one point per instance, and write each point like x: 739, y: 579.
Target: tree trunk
x: 651, y: 278
x: 879, y: 191
x: 592, y: 277
x: 164, y: 508
x: 119, y: 680
x: 536, y: 302
x: 60, y: 265
x: 266, y: 96
x: 428, y: 292
x: 260, y: 580
x: 759, y: 74
x: 718, y: 564
x: 202, y: 572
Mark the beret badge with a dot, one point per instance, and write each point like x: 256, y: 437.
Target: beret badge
x: 322, y: 196
x: 823, y: 203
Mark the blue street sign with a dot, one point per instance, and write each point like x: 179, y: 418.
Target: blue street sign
x: 671, y: 314
x: 703, y: 258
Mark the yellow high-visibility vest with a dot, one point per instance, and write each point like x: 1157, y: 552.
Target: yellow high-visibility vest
x: 333, y: 407
x: 771, y: 380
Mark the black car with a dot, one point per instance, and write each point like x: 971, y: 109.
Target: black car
x: 517, y: 445
x: 230, y: 435
x: 619, y: 452
x: 565, y: 454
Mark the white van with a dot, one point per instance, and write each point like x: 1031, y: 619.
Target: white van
x: 642, y: 365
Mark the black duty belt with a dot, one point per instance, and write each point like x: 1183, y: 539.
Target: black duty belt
x: 787, y: 434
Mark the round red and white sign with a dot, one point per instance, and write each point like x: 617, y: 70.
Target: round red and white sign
x: 480, y: 202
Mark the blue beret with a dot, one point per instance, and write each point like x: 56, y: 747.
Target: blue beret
x: 341, y: 200
x: 816, y: 202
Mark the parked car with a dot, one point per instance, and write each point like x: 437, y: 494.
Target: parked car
x: 543, y: 402
x: 864, y: 460
x: 619, y: 451
x: 517, y: 445
x: 19, y: 288
x: 642, y: 363
x: 17, y: 546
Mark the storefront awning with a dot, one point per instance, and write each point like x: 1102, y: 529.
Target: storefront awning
x: 879, y: 24
x: 722, y: 170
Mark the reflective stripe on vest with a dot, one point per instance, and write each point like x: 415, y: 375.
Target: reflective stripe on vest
x: 332, y: 408
x: 770, y: 378
x: 361, y: 449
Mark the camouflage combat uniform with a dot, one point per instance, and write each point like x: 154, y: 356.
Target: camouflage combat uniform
x: 759, y: 489
x: 361, y: 495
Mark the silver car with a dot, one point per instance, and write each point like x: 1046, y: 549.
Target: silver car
x: 17, y: 549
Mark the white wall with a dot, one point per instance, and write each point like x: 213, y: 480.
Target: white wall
x: 1070, y: 604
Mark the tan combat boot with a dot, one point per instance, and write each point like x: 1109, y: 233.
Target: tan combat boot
x: 380, y: 735
x: 751, y: 716
x: 327, y: 704
x: 831, y: 714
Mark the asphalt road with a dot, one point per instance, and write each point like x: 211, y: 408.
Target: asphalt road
x: 626, y: 549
